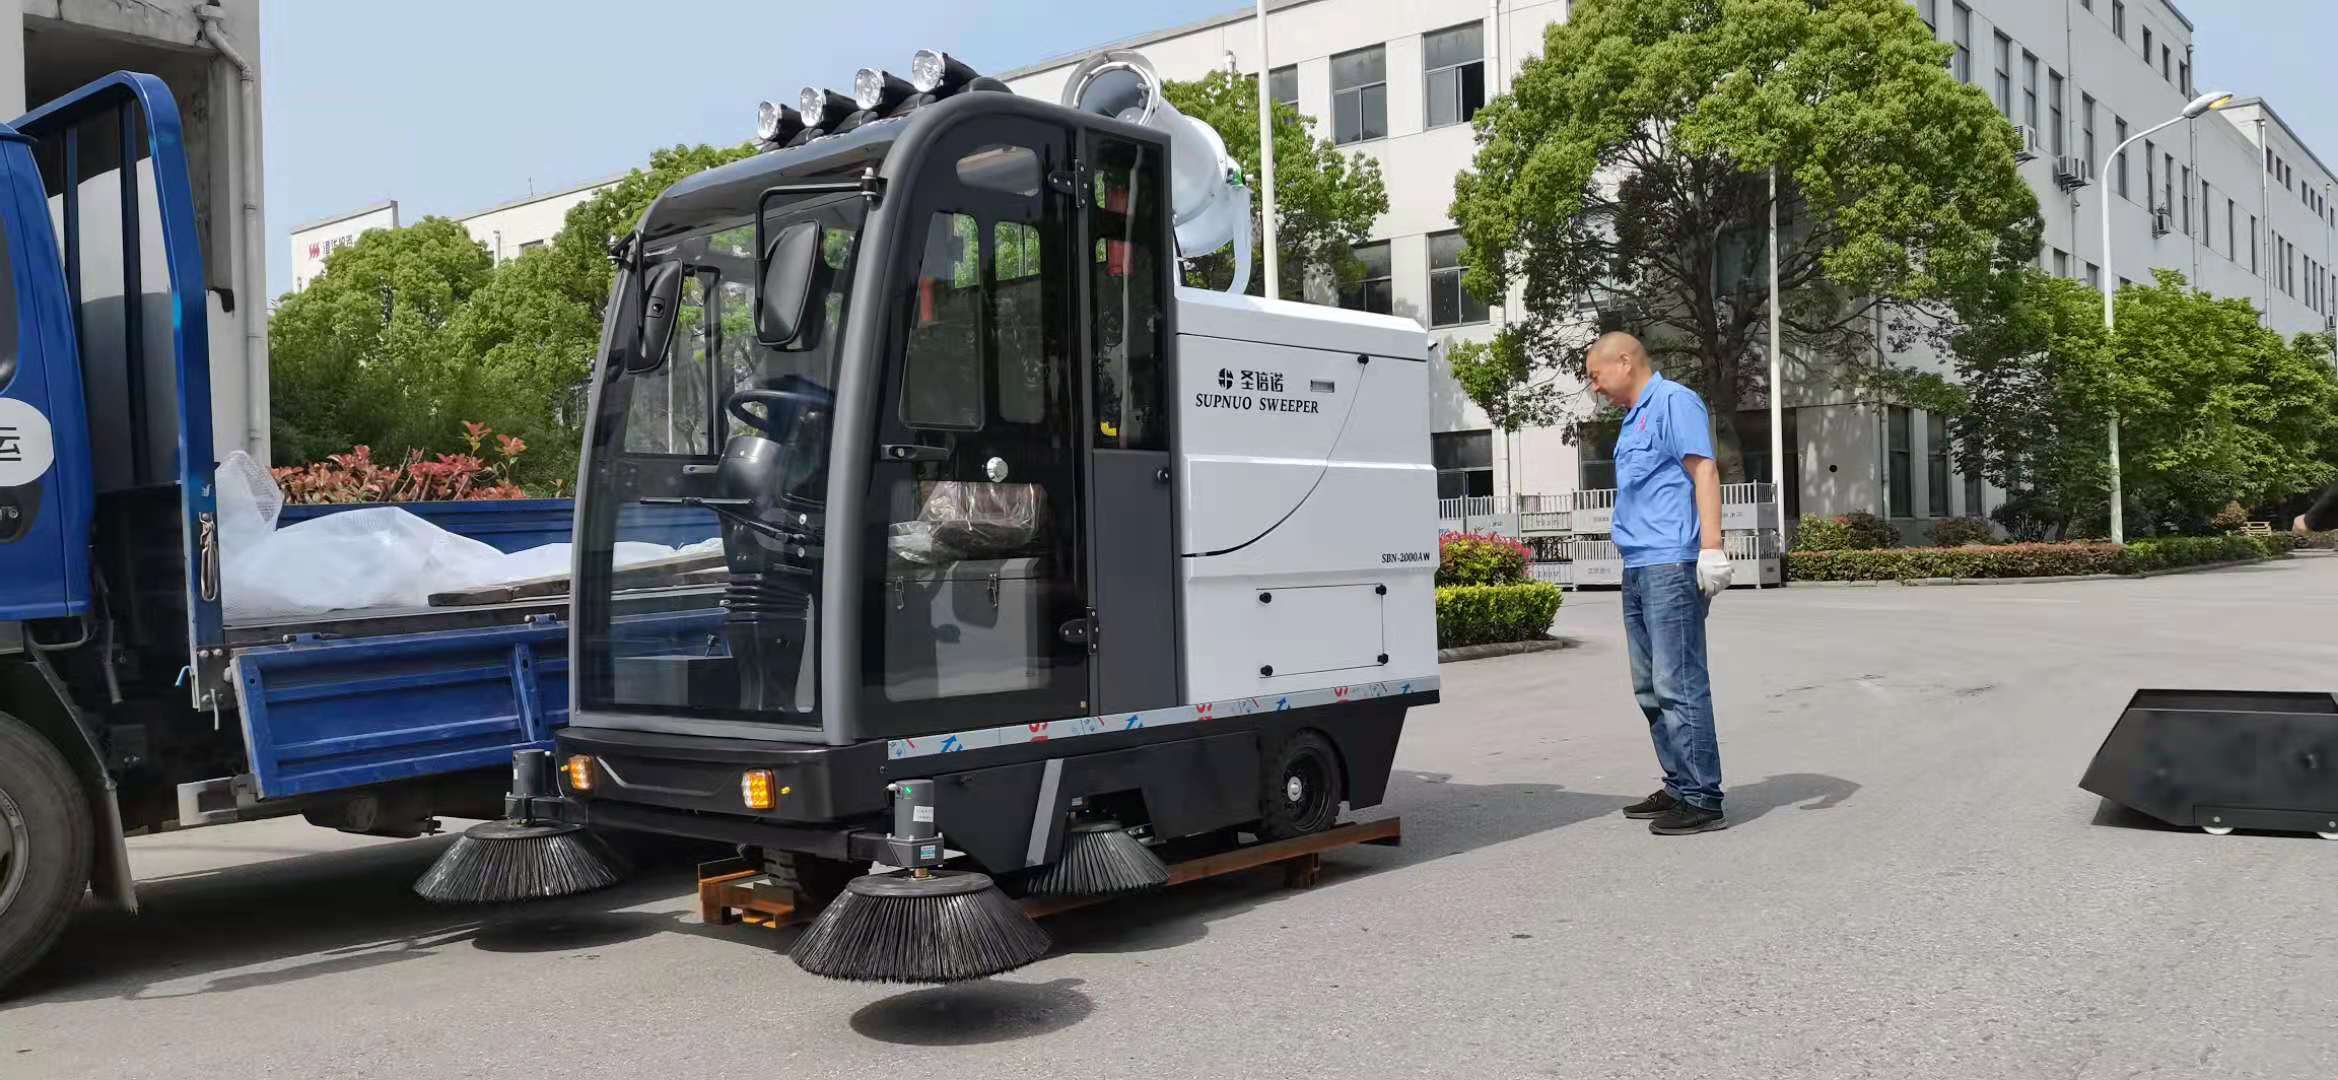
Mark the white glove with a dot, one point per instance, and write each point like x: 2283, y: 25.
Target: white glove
x: 1713, y: 571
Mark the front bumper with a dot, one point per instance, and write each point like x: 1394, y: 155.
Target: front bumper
x: 689, y: 786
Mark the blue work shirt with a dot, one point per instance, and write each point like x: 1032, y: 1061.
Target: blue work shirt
x: 1655, y: 501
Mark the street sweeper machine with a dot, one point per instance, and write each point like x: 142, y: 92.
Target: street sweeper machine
x: 1035, y: 560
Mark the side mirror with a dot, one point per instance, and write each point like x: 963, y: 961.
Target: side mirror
x: 791, y: 267
x: 661, y: 297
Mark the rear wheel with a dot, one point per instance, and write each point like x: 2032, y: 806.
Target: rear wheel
x: 44, y: 846
x: 1300, y: 788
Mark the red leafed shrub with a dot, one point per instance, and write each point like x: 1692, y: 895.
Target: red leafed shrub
x: 355, y: 477
x: 1480, y: 559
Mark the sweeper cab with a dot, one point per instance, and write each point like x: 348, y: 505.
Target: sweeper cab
x: 1032, y: 559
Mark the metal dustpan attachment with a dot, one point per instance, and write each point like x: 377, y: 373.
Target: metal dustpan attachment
x: 2225, y: 759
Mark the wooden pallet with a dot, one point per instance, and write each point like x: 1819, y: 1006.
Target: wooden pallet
x: 731, y: 892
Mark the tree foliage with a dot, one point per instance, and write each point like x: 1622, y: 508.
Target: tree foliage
x: 2213, y: 406
x: 1626, y: 172
x: 1325, y: 202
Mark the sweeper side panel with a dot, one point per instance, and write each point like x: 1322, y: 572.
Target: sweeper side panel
x: 1304, y: 449
x: 2224, y: 759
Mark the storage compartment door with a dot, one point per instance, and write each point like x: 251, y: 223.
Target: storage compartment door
x: 1317, y: 628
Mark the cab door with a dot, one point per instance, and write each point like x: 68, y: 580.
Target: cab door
x: 975, y: 607
x: 1127, y: 272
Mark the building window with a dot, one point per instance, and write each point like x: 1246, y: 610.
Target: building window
x: 2120, y: 126
x: 1456, y: 80
x: 1902, y: 482
x: 2119, y: 21
x: 1372, y: 292
x: 2253, y: 244
x: 1449, y: 303
x: 2061, y: 263
x: 1465, y: 463
x: 1359, y: 95
x: 2184, y: 76
x: 2005, y: 75
x: 1595, y: 456
x: 2187, y: 200
x: 1973, y: 506
x: 2207, y: 226
x: 2167, y: 182
x: 2232, y: 240
x: 1929, y: 11
x: 2094, y: 277
x: 1282, y: 85
x: 2086, y: 125
x: 2150, y: 173
x: 1964, y: 45
x: 532, y: 245
x: 2165, y: 71
x: 2146, y: 47
x: 1936, y: 465
x: 2029, y: 91
x: 2054, y: 110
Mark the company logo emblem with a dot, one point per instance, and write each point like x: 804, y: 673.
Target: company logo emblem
x: 1225, y: 379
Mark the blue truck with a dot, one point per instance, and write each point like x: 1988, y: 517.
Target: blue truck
x: 129, y: 701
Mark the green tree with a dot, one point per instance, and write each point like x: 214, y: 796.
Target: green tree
x: 1325, y: 202
x: 1626, y: 171
x: 363, y: 354
x: 580, y: 268
x: 2214, y: 407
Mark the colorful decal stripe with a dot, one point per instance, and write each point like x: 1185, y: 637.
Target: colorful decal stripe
x: 1048, y: 731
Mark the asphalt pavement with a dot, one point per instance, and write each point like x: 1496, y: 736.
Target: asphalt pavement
x: 1914, y: 886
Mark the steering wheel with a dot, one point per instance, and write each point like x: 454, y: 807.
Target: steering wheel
x: 737, y: 404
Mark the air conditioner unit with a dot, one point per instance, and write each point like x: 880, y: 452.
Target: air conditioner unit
x: 2072, y: 173
x: 2029, y: 142
x: 2163, y: 221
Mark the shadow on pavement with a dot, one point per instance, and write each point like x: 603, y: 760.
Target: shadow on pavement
x: 968, y: 1014
x: 1803, y: 791
x: 285, y: 920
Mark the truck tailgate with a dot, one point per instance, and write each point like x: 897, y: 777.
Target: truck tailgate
x: 324, y: 713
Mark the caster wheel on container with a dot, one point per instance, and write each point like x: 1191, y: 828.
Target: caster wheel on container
x: 2217, y: 830
x: 2327, y: 835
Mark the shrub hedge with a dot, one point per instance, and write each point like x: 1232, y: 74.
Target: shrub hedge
x: 1958, y: 532
x: 1482, y: 614
x: 2034, y: 560
x: 1479, y: 559
x: 2320, y: 541
x: 1845, y: 532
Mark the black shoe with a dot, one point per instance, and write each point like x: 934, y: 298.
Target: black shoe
x: 1651, y: 806
x: 1684, y: 819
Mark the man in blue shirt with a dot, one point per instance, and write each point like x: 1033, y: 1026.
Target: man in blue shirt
x: 1668, y: 527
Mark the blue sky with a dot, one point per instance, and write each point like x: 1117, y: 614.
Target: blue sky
x: 452, y: 107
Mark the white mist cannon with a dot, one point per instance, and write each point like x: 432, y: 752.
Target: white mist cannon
x: 1208, y: 200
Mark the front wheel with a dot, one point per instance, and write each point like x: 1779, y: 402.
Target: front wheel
x: 44, y: 846
x: 1301, y: 788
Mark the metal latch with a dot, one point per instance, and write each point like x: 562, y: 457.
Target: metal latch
x: 994, y: 590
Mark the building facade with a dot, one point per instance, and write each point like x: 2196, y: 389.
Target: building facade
x: 507, y: 230
x: 2233, y: 200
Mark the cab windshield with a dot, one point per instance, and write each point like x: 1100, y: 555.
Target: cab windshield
x: 700, y: 545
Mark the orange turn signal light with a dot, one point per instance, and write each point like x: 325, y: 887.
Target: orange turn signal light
x: 755, y: 789
x: 579, y: 768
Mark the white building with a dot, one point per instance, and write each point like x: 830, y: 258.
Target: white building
x: 507, y: 230
x: 2249, y: 210
x: 50, y: 47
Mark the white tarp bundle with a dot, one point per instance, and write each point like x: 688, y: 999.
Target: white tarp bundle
x: 373, y: 556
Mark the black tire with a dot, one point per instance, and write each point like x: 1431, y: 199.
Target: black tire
x: 1300, y: 788
x: 44, y: 846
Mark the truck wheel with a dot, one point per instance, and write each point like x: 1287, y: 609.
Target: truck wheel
x: 44, y: 846
x: 1300, y: 788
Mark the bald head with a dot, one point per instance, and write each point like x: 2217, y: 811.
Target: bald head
x: 1618, y: 366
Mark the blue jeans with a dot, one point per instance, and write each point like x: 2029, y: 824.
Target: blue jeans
x: 1664, y: 628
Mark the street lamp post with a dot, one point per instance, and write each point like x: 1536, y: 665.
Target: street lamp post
x: 2202, y: 104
